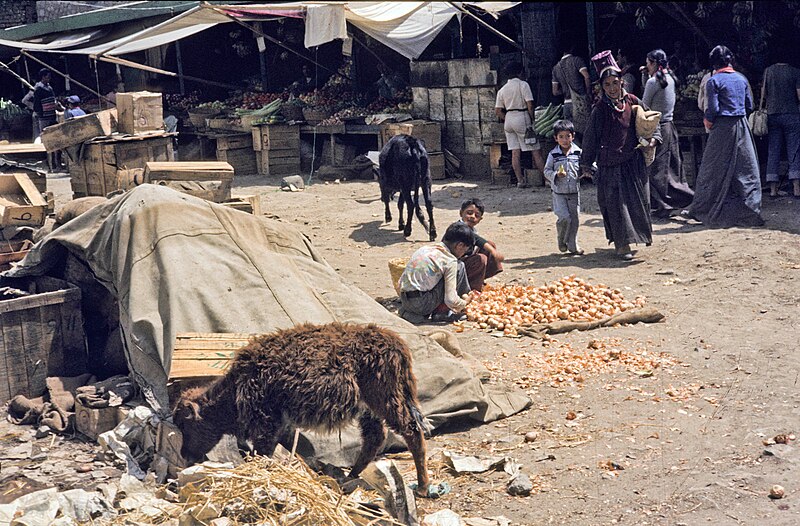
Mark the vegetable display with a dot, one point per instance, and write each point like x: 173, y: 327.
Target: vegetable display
x: 9, y: 110
x: 546, y: 118
x: 508, y: 307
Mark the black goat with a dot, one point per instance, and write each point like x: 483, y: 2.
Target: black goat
x: 404, y: 168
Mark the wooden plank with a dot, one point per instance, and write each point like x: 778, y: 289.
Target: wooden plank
x: 436, y: 164
x: 6, y: 365
x: 20, y: 202
x: 420, y: 106
x: 232, y: 142
x: 79, y: 130
x: 250, y: 204
x: 452, y: 105
x: 473, y: 141
x: 187, y: 171
x: 139, y: 111
x: 470, y: 108
x: 204, y: 354
x: 244, y: 161
x: 428, y: 73
x: 73, y: 343
x: 487, y: 98
x: 36, y: 355
x: 14, y: 348
x: 21, y: 148
x: 470, y: 72
x: 436, y: 98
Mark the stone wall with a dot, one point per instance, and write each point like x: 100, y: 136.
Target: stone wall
x: 51, y: 9
x: 17, y: 12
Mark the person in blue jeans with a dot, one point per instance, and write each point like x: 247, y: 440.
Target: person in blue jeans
x: 780, y: 90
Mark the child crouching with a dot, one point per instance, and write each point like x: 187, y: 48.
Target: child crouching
x: 563, y: 173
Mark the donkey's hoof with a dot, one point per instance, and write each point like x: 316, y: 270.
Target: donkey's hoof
x: 433, y: 235
x: 407, y: 232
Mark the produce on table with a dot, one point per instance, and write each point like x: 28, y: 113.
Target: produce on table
x: 182, y: 103
x: 545, y: 119
x: 508, y: 307
x: 9, y: 110
x: 691, y: 88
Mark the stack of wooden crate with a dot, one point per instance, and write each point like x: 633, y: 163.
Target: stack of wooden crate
x: 460, y: 95
x: 431, y: 135
x: 278, y: 149
x: 100, y: 145
x: 237, y: 150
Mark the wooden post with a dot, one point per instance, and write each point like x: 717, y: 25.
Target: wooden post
x: 590, y: 28
x: 538, y: 23
x: 180, y: 66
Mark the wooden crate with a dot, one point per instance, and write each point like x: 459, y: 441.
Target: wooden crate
x: 205, y: 179
x: 250, y: 204
x: 276, y: 137
x: 279, y: 162
x: 79, y: 130
x: 139, y: 111
x: 243, y: 160
x: 234, y: 141
x: 42, y: 335
x: 198, y: 355
x: 21, y: 203
x: 95, y: 173
x: 13, y: 251
x: 429, y: 132
x: 436, y: 164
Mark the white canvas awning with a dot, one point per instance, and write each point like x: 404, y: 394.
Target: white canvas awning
x: 406, y: 27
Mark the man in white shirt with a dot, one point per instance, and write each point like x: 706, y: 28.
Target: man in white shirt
x: 514, y: 108
x: 434, y: 279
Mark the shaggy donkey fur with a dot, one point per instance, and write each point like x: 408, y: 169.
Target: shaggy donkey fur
x: 314, y: 377
x: 404, y: 168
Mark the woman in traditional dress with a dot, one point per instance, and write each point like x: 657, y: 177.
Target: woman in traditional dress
x: 610, y: 140
x: 669, y: 192
x: 728, y: 187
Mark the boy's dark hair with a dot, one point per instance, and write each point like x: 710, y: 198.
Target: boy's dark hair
x: 43, y: 73
x: 563, y: 125
x: 459, y: 232
x: 472, y: 201
x: 514, y: 69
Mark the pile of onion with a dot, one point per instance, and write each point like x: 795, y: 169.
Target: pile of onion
x: 508, y: 307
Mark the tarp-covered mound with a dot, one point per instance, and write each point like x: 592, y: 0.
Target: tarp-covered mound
x: 177, y: 264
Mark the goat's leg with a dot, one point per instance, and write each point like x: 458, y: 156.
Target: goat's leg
x: 372, y: 434
x: 418, y: 210
x: 410, y: 205
x: 386, y: 197
x: 426, y: 194
x: 400, y: 203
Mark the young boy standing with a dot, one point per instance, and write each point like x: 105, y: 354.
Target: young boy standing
x: 563, y: 173
x: 485, y: 260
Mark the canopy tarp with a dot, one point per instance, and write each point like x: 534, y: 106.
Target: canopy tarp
x: 406, y: 27
x: 176, y: 264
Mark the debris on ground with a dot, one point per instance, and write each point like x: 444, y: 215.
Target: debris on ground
x: 566, y: 365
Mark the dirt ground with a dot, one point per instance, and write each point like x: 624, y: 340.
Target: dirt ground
x: 690, y: 439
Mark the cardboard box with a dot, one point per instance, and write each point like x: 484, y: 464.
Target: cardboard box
x: 79, y: 130
x: 20, y: 201
x: 139, y: 111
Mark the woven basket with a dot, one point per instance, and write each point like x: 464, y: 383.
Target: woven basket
x: 198, y: 118
x: 314, y: 116
x: 292, y: 112
x: 396, y: 268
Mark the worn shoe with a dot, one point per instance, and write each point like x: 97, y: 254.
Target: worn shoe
x: 628, y: 256
x: 578, y: 251
x: 562, y: 248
